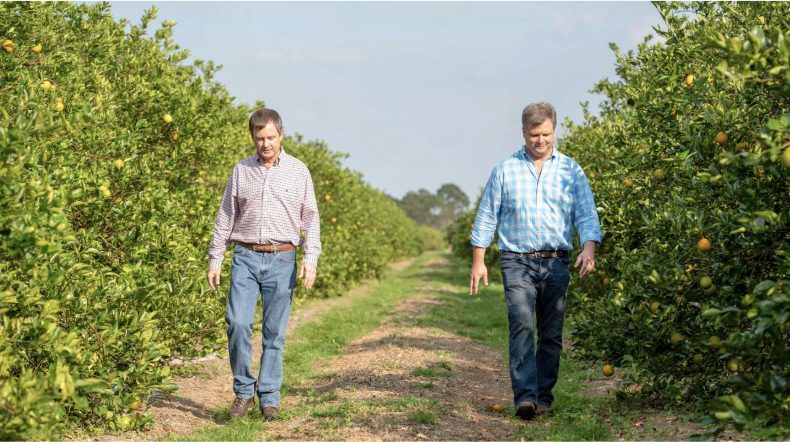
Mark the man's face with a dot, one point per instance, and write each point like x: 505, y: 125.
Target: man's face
x: 267, y: 142
x: 539, y: 138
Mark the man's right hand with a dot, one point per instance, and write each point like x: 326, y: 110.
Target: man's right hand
x: 479, y: 269
x: 213, y: 279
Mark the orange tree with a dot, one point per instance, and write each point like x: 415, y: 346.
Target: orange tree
x: 688, y: 162
x: 113, y: 158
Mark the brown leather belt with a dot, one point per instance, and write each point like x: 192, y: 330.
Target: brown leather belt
x: 544, y: 253
x: 268, y: 248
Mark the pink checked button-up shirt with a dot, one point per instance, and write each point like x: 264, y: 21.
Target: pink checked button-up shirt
x: 268, y: 206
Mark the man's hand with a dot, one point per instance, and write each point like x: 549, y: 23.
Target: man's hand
x: 213, y: 279
x: 587, y: 259
x: 308, y: 272
x: 479, y: 269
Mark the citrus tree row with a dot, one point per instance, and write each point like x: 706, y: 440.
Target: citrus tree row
x: 689, y: 166
x: 114, y: 155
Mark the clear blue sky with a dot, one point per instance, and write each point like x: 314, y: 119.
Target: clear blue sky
x: 419, y: 94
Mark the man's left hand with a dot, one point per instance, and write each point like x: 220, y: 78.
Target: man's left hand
x: 587, y: 259
x: 308, y: 272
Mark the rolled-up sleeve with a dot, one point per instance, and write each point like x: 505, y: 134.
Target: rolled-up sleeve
x: 488, y: 212
x: 586, y: 220
x: 311, y: 223
x: 223, y: 226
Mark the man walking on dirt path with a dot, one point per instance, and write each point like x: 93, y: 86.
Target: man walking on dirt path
x: 538, y: 195
x: 269, y: 198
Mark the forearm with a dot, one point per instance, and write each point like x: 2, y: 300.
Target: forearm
x: 589, y: 247
x: 478, y: 255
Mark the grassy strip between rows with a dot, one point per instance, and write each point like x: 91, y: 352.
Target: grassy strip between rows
x: 483, y: 318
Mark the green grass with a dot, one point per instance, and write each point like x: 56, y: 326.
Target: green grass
x: 428, y: 372
x: 423, y: 418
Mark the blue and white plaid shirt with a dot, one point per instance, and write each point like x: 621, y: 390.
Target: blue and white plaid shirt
x: 536, y: 211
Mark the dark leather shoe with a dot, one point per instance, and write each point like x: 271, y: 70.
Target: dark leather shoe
x: 269, y: 413
x: 240, y: 407
x: 525, y: 410
x: 544, y: 409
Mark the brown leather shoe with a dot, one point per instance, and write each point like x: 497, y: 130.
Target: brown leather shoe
x: 240, y: 407
x: 544, y: 409
x: 525, y: 410
x: 269, y: 413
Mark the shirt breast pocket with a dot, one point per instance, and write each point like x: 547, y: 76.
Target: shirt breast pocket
x: 248, y: 195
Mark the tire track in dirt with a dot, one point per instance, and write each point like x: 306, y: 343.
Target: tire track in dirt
x: 383, y: 369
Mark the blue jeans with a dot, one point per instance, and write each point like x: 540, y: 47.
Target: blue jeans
x: 532, y: 283
x: 270, y: 276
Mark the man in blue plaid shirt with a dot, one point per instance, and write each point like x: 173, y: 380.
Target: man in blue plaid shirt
x: 538, y: 195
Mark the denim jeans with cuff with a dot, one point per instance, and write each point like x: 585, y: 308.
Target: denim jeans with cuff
x: 535, y: 285
x: 270, y: 276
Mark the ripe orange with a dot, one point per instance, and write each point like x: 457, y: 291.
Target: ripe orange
x: 722, y: 137
x: 46, y: 84
x: 689, y: 80
x: 498, y: 407
x: 118, y: 163
x: 168, y: 118
x: 328, y: 197
x: 703, y: 245
x: 8, y: 46
x: 59, y: 107
x: 36, y: 48
x: 608, y: 370
x: 106, y: 193
x: 592, y: 174
x: 334, y: 220
x: 175, y: 137
x: 628, y: 183
x: 135, y: 405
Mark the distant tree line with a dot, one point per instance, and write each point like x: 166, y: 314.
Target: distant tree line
x: 435, y: 210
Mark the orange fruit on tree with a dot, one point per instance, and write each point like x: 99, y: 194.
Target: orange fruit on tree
x: 118, y: 163
x: 722, y: 137
x: 689, y: 80
x: 135, y: 405
x: 786, y: 158
x: 675, y: 338
x: 654, y: 306
x: 606, y: 281
x: 705, y: 282
x: 714, y: 342
x: 703, y: 245
x: 628, y: 183
x: 8, y: 46
x: 608, y: 370
x: 59, y: 107
x: 168, y: 118
x: 660, y: 174
x: 175, y: 137
x: 733, y: 364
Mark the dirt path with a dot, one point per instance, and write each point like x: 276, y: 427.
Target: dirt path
x: 405, y: 374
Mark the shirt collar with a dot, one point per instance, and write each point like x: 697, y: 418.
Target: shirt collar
x: 282, y: 157
x: 554, y: 154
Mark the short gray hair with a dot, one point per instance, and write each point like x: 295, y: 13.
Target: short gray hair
x: 536, y: 113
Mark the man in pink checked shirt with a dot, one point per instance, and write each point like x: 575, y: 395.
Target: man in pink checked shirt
x: 268, y: 201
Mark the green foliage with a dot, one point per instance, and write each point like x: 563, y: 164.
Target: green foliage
x: 663, y: 182
x: 106, y: 212
x: 432, y: 238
